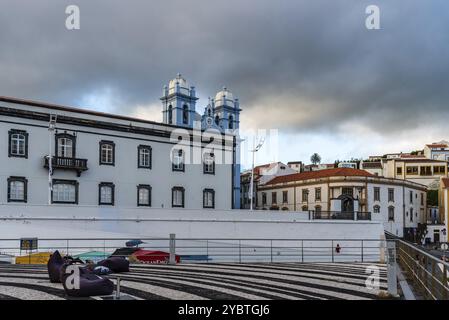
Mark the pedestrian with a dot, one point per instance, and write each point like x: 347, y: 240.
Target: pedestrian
x: 337, y: 248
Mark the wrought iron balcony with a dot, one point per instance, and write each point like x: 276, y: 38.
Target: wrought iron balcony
x: 339, y: 215
x: 78, y: 165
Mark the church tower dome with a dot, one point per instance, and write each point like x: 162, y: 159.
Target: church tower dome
x: 226, y: 110
x: 224, y: 97
x: 178, y: 103
x: 178, y: 84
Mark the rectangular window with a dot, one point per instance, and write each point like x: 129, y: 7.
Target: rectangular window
x: 107, y: 153
x: 318, y: 194
x: 425, y: 171
x: 284, y: 196
x: 178, y: 197
x: 440, y: 170
x: 347, y: 191
x: 412, y: 171
x: 411, y: 196
x: 422, y: 199
x: 391, y: 195
x: 376, y: 194
x: 178, y: 160
x: 17, y: 189
x: 274, y: 198
x: 391, y: 214
x: 65, y: 191
x: 208, y: 163
x: 305, y: 195
x: 208, y: 198
x: 264, y: 198
x: 144, y: 195
x: 106, y: 193
x: 144, y: 157
x: 18, y: 144
x: 399, y: 171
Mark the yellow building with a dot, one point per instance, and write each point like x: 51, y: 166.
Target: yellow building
x: 443, y: 199
x: 417, y: 169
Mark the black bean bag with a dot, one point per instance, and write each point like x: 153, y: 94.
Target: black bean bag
x: 54, y: 266
x: 115, y: 264
x: 89, y: 284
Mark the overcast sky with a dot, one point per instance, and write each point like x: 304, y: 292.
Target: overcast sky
x: 310, y: 68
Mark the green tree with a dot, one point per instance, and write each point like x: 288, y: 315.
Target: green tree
x: 315, y: 158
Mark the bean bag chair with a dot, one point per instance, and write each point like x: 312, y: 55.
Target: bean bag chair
x: 90, y: 284
x: 71, y: 260
x: 115, y: 264
x: 54, y: 266
x: 101, y: 271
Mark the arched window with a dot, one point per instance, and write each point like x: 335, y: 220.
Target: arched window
x: 231, y: 122
x: 318, y: 209
x: 411, y: 214
x: 18, y: 143
x: 376, y: 209
x: 185, y: 114
x: 65, y: 146
x: 170, y: 114
x: 217, y: 119
x: 305, y: 208
x: 209, y: 112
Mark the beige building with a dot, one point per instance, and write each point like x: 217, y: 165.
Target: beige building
x: 415, y: 168
x: 399, y: 204
x: 443, y: 200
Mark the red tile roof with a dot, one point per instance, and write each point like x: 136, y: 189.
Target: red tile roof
x: 445, y: 182
x: 437, y: 145
x: 337, y: 172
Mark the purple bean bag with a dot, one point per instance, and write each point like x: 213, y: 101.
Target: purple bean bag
x: 54, y: 266
x: 115, y: 264
x: 89, y: 284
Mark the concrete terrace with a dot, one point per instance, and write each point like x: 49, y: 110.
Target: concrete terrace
x: 224, y: 281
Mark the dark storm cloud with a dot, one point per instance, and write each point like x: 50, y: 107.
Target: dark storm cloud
x: 308, y: 65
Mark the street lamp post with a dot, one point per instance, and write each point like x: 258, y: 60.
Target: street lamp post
x: 51, y: 129
x: 255, y: 149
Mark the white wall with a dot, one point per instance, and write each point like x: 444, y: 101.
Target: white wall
x: 183, y: 222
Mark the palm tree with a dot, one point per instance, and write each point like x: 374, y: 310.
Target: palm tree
x: 315, y: 158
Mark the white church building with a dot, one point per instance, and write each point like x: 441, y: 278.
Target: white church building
x: 108, y: 160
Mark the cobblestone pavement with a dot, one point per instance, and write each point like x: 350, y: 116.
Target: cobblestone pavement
x: 212, y: 281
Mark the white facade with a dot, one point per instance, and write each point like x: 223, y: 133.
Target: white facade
x: 399, y: 205
x: 352, y: 165
x: 437, y: 151
x: 125, y: 135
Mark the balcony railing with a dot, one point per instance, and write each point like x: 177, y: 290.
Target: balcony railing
x: 339, y: 215
x: 78, y: 165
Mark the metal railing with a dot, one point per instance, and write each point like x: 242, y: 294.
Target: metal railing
x: 67, y: 163
x: 428, y: 274
x: 190, y: 250
x: 339, y: 215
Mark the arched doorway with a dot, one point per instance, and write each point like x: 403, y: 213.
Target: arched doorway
x: 347, y: 203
